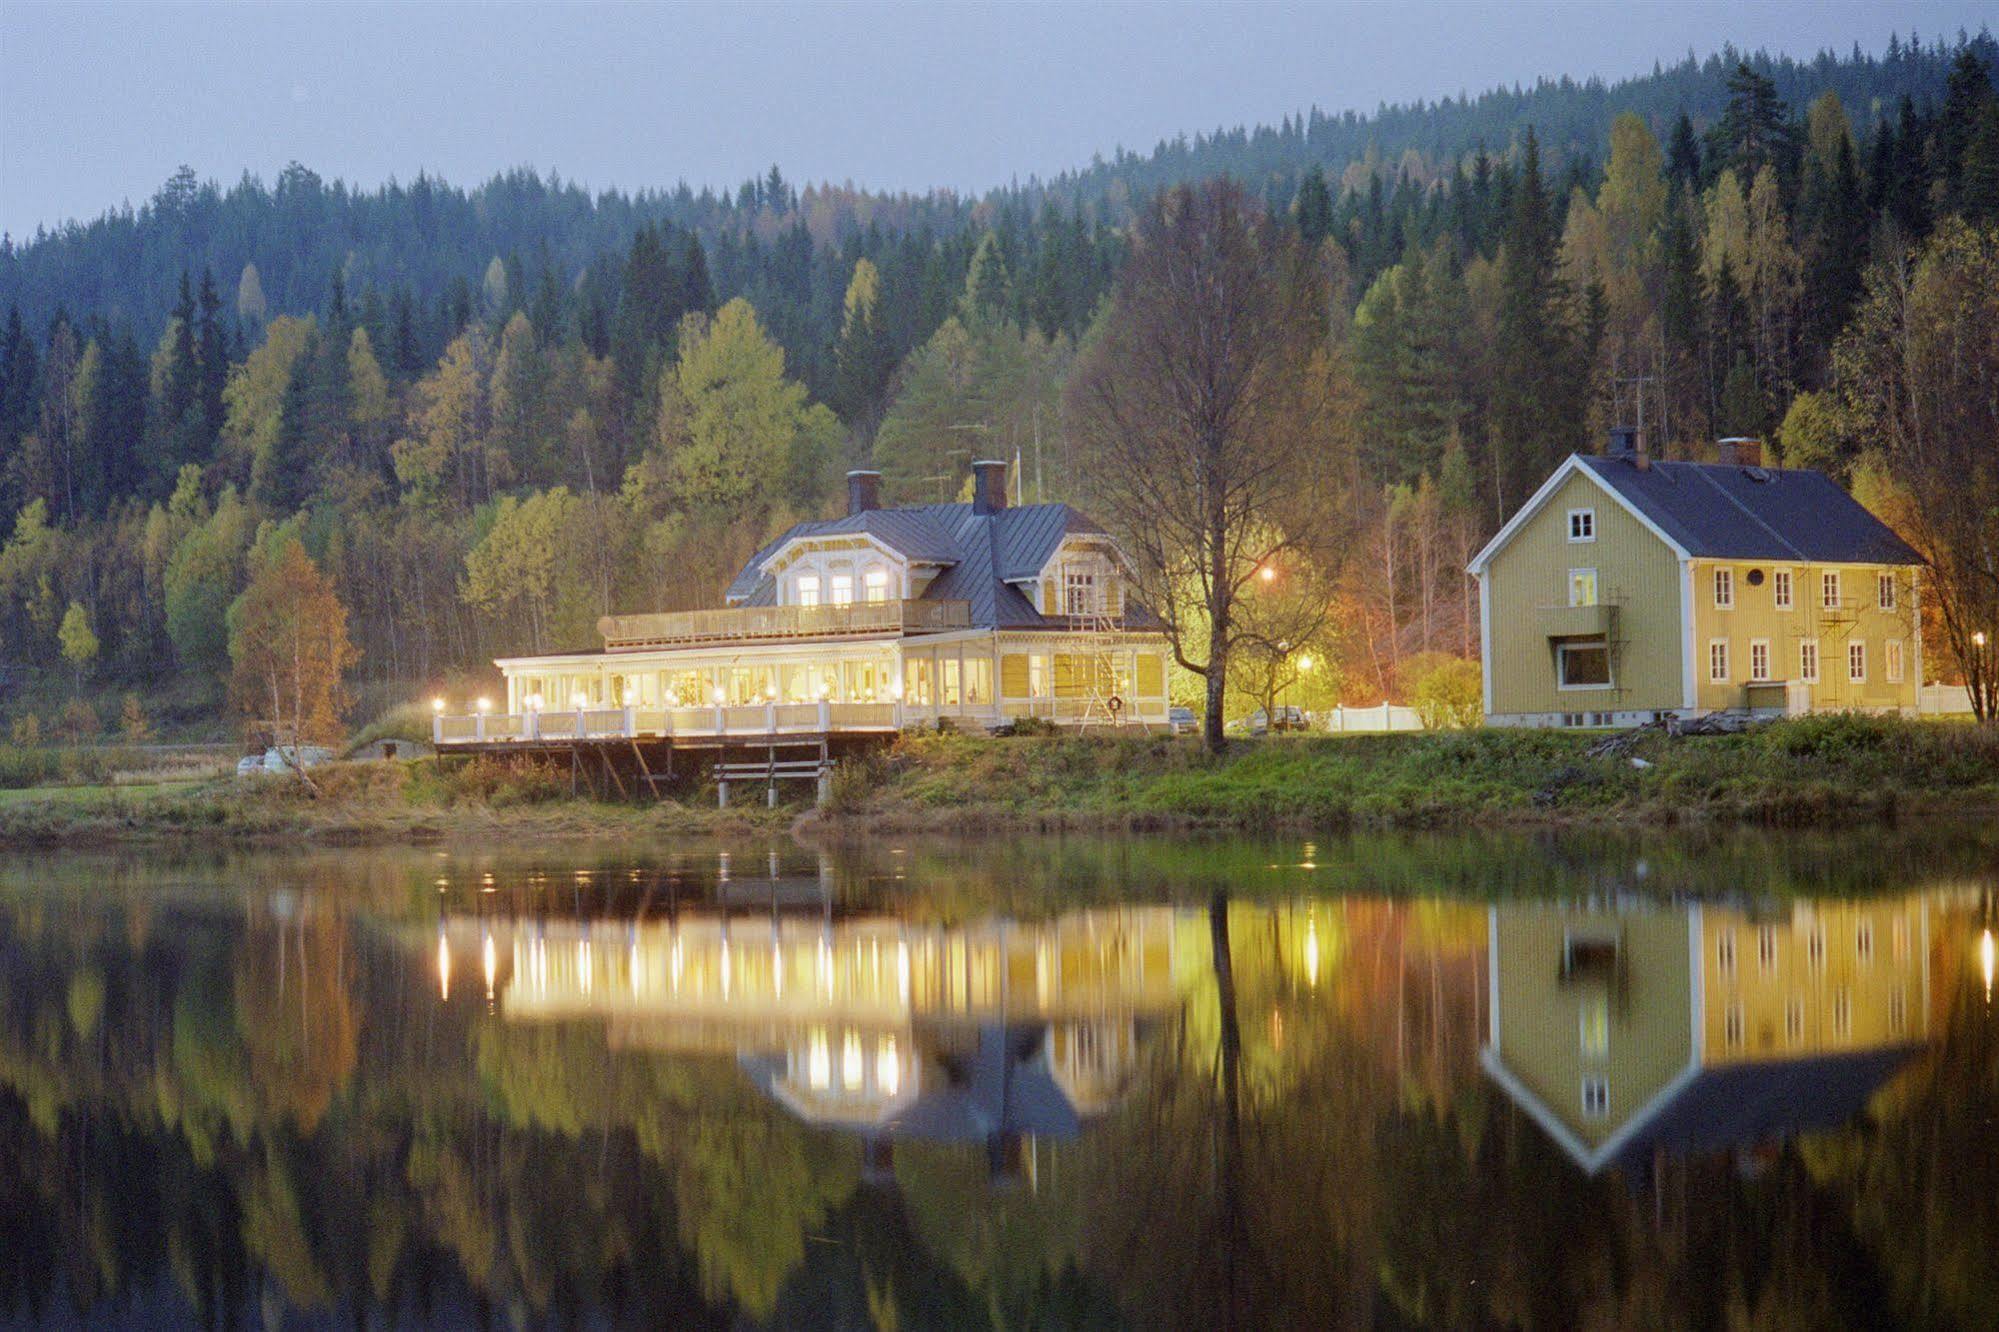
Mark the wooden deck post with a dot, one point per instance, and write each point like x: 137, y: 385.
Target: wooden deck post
x: 721, y: 793
x: 825, y: 794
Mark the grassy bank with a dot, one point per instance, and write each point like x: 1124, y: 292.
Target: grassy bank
x: 1822, y: 771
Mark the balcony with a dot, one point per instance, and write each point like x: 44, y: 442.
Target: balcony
x: 1576, y: 621
x: 762, y: 624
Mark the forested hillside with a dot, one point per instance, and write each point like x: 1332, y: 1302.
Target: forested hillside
x: 491, y: 415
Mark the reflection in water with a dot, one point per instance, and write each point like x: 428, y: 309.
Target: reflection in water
x: 936, y: 1090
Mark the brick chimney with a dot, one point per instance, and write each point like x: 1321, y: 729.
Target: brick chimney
x: 1739, y: 451
x: 988, y: 487
x: 864, y: 490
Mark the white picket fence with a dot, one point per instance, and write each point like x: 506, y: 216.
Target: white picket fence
x: 1941, y: 700
x: 1374, y: 720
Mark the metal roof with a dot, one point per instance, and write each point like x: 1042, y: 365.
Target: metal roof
x: 1723, y: 511
x: 983, y: 554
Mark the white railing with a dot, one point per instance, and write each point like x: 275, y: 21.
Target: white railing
x: 758, y: 719
x: 1374, y: 720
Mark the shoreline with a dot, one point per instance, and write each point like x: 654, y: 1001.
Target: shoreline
x: 1824, y: 772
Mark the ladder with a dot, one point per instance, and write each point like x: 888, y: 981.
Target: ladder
x: 1099, y: 644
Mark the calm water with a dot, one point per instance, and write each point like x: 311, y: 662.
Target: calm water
x: 1390, y: 1082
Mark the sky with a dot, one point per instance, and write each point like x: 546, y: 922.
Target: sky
x: 99, y: 103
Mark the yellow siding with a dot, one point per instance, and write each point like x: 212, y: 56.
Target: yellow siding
x: 1151, y: 674
x: 1829, y: 977
x: 1638, y: 578
x: 1755, y: 616
x: 1540, y: 1015
x: 1013, y: 675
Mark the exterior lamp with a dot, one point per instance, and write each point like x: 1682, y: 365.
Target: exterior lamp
x: 1305, y: 663
x: 770, y: 692
x: 1978, y: 638
x: 437, y: 705
x: 485, y: 706
x: 1267, y: 573
x: 895, y: 689
x: 579, y: 700
x: 819, y: 689
x: 631, y: 698
x: 720, y: 697
x: 673, y: 698
x: 534, y: 702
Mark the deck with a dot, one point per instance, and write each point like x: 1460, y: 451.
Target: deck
x: 705, y: 727
x: 764, y: 624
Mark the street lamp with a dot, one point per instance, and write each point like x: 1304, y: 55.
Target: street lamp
x: 1267, y: 573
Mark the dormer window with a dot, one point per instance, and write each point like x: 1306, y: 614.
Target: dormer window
x: 808, y: 589
x: 1079, y: 592
x: 843, y: 590
x: 874, y: 586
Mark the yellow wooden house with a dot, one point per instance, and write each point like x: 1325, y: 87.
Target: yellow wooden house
x: 1628, y: 588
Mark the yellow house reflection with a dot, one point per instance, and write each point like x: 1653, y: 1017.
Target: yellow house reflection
x: 1623, y: 1029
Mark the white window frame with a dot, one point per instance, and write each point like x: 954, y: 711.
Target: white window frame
x: 841, y: 593
x: 872, y: 582
x: 1582, y: 526
x: 1884, y: 591
x: 1759, y: 661
x: 1856, y: 661
x: 1724, y: 588
x: 1596, y: 1096
x: 1593, y: 1027
x: 1766, y: 948
x: 1808, y: 660
x: 808, y: 589
x: 1717, y: 661
x: 1891, y: 660
x: 1562, y: 651
x: 1781, y: 589
x: 1583, y: 575
x: 1079, y: 590
x: 1830, y: 594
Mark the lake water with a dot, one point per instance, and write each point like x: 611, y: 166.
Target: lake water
x: 1445, y: 1081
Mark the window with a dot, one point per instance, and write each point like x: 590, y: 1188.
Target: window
x: 1596, y: 1097
x: 1582, y: 587
x: 1037, y: 675
x: 1766, y: 947
x: 1842, y: 1013
x: 948, y: 692
x: 1898, y: 1013
x: 1780, y: 588
x: 843, y: 589
x: 1732, y: 1027
x: 1829, y: 589
x: 1583, y: 665
x: 1884, y: 590
x: 1815, y: 947
x: 1863, y: 942
x: 1808, y: 660
x: 1724, y: 589
x: 1724, y: 952
x: 1582, y: 525
x: 1717, y: 660
x: 808, y: 589
x: 1759, y: 659
x: 874, y: 586
x: 978, y: 682
x: 1794, y: 1020
x: 1892, y: 655
x: 1079, y: 592
x: 1594, y: 1036
x: 1856, y: 661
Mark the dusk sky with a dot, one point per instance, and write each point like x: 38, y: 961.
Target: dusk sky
x: 99, y: 103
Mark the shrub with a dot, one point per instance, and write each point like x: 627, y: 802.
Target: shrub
x: 506, y: 780
x: 1447, y: 692
x: 27, y: 730
x: 79, y: 722
x: 132, y: 722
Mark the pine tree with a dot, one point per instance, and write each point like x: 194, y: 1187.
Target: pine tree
x: 1754, y: 129
x: 1313, y: 209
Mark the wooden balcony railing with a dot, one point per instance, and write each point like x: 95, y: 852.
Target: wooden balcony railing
x: 753, y: 721
x: 739, y: 624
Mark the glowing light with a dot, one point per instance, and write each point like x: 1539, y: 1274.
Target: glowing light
x: 818, y: 1062
x: 727, y: 971
x: 1267, y: 574
x: 770, y: 692
x: 579, y: 700
x: 631, y: 698
x: 1985, y: 961
x: 720, y: 697
x: 437, y: 705
x: 1978, y: 639
x: 1305, y: 663
x: 485, y: 706
x: 888, y: 1072
x: 1312, y: 954
x: 534, y: 702
x: 443, y: 966
x: 491, y: 959
x: 895, y: 689
x: 584, y: 966
x: 850, y: 1061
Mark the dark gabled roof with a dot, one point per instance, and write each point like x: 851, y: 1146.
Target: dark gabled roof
x: 1722, y: 511
x: 982, y: 554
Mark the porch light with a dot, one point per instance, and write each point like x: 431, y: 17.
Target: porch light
x: 673, y: 698
x: 437, y: 705
x: 1305, y: 663
x: 770, y: 692
x: 534, y: 702
x: 631, y: 698
x: 579, y: 700
x: 895, y: 689
x: 720, y: 696
x: 819, y: 689
x: 485, y: 706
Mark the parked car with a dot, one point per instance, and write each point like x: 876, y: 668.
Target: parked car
x: 249, y: 765
x: 1288, y: 718
x: 1182, y: 721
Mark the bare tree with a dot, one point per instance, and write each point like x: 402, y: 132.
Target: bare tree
x: 1204, y: 416
x: 1919, y: 369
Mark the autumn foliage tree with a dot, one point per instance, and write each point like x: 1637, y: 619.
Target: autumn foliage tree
x: 1202, y: 414
x: 288, y: 645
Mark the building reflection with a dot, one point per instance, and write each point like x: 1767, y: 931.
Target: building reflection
x: 997, y: 1032
x: 1629, y: 1029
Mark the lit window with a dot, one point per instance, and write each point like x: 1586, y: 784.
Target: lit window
x: 1808, y: 660
x: 1717, y: 661
x: 1582, y: 587
x: 1856, y: 661
x: 874, y: 585
x: 1780, y: 588
x: 1766, y: 948
x: 1037, y: 675
x: 1759, y: 659
x: 1595, y: 1025
x: 1583, y: 665
x: 1892, y: 660
x: 1724, y: 589
x: 1884, y: 585
x: 808, y: 590
x: 1582, y: 524
x: 843, y: 589
x: 1596, y: 1097
x: 1829, y: 589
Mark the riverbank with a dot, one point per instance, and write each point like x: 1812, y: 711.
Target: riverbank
x: 1814, y: 772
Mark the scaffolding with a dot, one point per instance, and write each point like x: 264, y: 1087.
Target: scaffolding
x: 1099, y: 646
